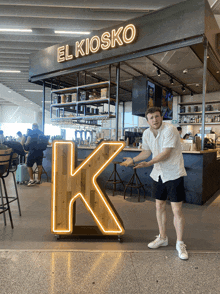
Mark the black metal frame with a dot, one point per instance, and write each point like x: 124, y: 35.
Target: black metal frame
x: 138, y: 185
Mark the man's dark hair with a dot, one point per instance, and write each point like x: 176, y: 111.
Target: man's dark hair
x: 179, y: 128
x: 1, y: 132
x: 19, y: 133
x: 153, y: 110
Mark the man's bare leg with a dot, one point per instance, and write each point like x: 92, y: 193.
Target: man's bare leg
x: 161, y: 217
x: 39, y: 172
x: 30, y: 171
x: 178, y: 220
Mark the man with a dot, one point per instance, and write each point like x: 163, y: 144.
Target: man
x: 162, y: 140
x: 34, y: 155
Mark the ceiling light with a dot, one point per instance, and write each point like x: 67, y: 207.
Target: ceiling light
x: 72, y: 32
x: 16, y: 30
x: 33, y: 90
x: 183, y: 89
x: 197, y: 85
x: 171, y: 81
x: 9, y: 71
x: 185, y: 71
x: 158, y: 72
x: 207, y: 56
x: 217, y: 71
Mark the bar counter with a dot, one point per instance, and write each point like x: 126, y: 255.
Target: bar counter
x: 201, y: 182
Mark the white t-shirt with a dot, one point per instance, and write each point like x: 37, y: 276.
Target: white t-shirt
x: 168, y: 137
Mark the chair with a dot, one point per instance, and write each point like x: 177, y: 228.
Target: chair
x: 114, y: 174
x: 135, y: 183
x: 5, y: 162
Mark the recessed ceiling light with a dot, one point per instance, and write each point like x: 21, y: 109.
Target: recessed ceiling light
x: 33, y: 90
x: 217, y: 71
x: 72, y: 32
x: 197, y: 85
x: 16, y: 30
x: 9, y: 71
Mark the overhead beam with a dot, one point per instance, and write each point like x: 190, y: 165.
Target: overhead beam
x: 56, y: 24
x: 68, y: 13
x: 96, y: 4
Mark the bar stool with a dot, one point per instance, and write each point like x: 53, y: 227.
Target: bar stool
x: 12, y: 169
x: 35, y: 172
x: 115, y: 181
x: 135, y: 183
x: 4, y: 172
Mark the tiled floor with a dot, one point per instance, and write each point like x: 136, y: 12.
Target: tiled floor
x: 33, y: 261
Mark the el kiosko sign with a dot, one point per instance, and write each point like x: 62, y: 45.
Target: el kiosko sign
x: 123, y: 36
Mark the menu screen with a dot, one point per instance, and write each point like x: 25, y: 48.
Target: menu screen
x: 167, y: 105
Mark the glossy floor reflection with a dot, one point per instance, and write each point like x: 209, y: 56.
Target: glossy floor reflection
x: 33, y: 261
x: 108, y: 272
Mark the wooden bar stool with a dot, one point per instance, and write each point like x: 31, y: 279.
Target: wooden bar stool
x: 6, y: 157
x: 12, y: 169
x: 135, y: 183
x: 115, y: 174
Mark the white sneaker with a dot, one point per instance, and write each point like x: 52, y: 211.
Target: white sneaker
x: 31, y: 183
x: 158, y: 242
x: 181, y: 248
x: 37, y: 182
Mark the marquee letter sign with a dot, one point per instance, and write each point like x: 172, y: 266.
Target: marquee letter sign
x: 70, y: 183
x: 121, y: 36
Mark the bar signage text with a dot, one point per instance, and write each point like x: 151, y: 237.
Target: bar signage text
x: 122, y: 36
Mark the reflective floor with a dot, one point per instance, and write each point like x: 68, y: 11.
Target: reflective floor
x: 33, y: 261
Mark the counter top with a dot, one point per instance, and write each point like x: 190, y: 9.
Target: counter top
x: 139, y: 150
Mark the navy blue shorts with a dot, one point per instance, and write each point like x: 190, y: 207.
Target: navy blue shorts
x: 34, y: 157
x: 171, y: 190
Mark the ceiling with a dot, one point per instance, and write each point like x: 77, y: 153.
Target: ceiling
x: 45, y: 16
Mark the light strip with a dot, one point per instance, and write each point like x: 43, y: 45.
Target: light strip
x: 94, y: 183
x: 9, y: 71
x: 33, y: 90
x: 16, y: 30
x: 72, y: 32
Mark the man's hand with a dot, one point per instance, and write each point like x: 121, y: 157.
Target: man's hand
x: 143, y: 164
x: 127, y: 162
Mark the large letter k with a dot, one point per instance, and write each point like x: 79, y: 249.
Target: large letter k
x: 70, y: 183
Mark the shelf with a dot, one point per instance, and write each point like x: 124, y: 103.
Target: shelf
x: 211, y: 123
x: 87, y: 117
x: 199, y: 113
x: 83, y: 87
x: 85, y: 102
x: 78, y: 122
x: 198, y: 103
